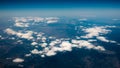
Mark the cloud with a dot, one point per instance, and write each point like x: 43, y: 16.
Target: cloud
x: 51, y: 19
x: 105, y: 40
x: 102, y: 39
x: 27, y: 35
x: 43, y: 44
x: 67, y: 46
x: 18, y: 60
x: 86, y: 44
x: 28, y: 19
x: 43, y: 38
x: 95, y: 31
x: 50, y: 53
x: 27, y: 55
x: 34, y: 43
x: 92, y: 40
x: 20, y: 24
x: 52, y: 43
x: 20, y: 21
x: 10, y: 31
x: 35, y: 51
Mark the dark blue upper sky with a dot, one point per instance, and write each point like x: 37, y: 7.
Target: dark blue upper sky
x: 58, y: 3
x: 60, y: 7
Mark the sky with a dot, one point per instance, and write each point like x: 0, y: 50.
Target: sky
x: 59, y: 7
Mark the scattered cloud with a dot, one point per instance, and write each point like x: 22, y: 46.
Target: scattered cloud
x: 21, y: 21
x: 54, y: 45
x: 86, y: 44
x: 35, y: 51
x: 102, y: 39
x: 18, y: 60
x: 95, y: 31
x: 34, y: 43
x: 27, y: 35
x: 27, y: 55
x: 20, y: 24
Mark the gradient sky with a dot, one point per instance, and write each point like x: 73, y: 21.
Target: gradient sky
x: 60, y: 7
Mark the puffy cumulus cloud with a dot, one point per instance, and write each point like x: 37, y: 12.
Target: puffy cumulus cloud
x: 26, y: 35
x: 43, y: 38
x: 101, y: 38
x: 86, y: 44
x: 51, y: 19
x: 52, y: 43
x: 38, y: 19
x: 27, y: 55
x: 50, y: 53
x: 112, y: 41
x: 95, y: 31
x: 43, y: 44
x: 52, y: 49
x: 35, y: 51
x: 92, y: 40
x: 35, y: 19
x: 34, y: 43
x: 10, y: 31
x: 66, y: 46
x: 28, y: 19
x: 18, y: 60
x: 20, y: 24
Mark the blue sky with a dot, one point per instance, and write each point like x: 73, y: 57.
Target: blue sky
x: 60, y: 7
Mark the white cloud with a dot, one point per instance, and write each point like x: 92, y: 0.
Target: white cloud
x: 94, y: 31
x: 66, y: 46
x: 99, y: 48
x: 35, y: 51
x: 92, y: 40
x: 86, y: 44
x: 43, y: 38
x: 27, y: 35
x: 20, y: 24
x: 42, y: 55
x: 35, y: 19
x: 50, y: 53
x: 101, y: 38
x: 27, y: 55
x: 51, y: 19
x: 111, y: 41
x: 18, y: 60
x: 43, y: 44
x: 10, y: 31
x: 34, y: 43
x: 28, y: 19
x: 52, y: 43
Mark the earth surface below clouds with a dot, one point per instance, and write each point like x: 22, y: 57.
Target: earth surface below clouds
x: 59, y: 42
